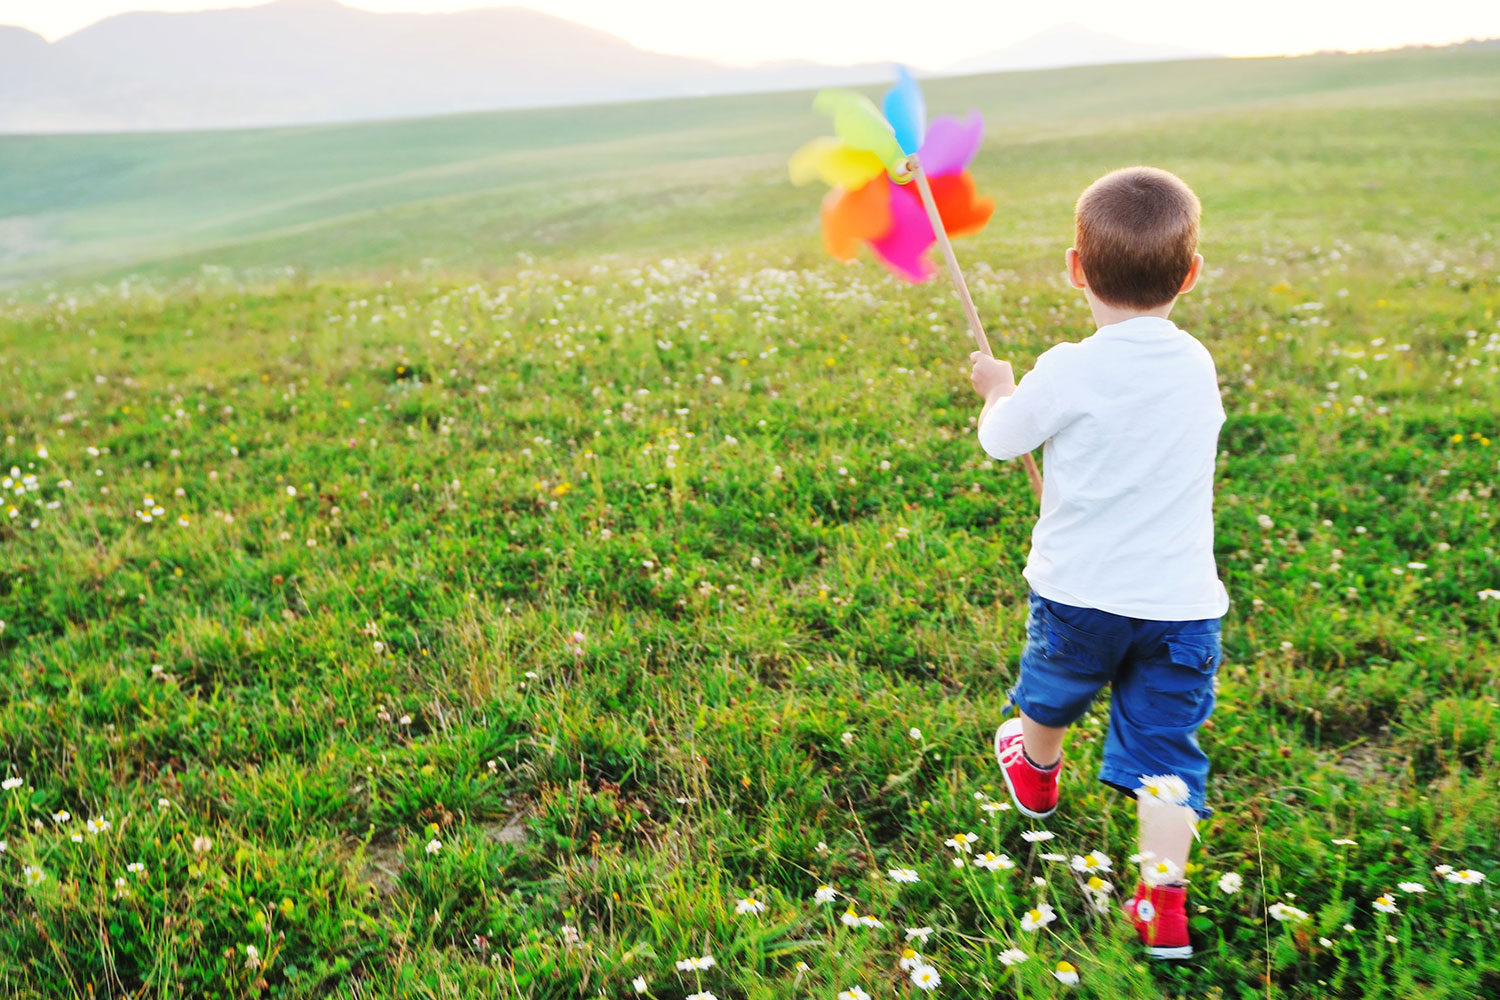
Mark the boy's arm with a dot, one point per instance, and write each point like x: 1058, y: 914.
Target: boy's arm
x: 1016, y: 419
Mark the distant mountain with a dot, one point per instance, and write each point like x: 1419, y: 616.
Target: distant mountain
x: 1071, y: 45
x: 298, y: 61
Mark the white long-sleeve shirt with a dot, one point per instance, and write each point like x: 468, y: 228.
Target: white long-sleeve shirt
x: 1130, y: 421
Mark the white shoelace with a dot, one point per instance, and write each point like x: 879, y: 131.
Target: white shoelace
x: 1012, y: 752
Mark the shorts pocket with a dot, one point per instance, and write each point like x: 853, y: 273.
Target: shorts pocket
x: 1180, y: 684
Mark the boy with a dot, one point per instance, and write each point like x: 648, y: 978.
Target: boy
x: 1124, y: 589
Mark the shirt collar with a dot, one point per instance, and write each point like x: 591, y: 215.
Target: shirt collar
x: 1140, y: 328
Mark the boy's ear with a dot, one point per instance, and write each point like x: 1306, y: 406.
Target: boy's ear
x: 1076, y: 276
x: 1194, y: 273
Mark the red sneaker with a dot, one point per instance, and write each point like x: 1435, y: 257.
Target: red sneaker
x: 1159, y: 913
x: 1033, y: 789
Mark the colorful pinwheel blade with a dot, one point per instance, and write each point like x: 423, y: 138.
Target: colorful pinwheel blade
x: 855, y: 216
x: 906, y: 111
x: 951, y: 144
x: 904, y: 248
x: 959, y: 206
x: 837, y: 164
x: 859, y: 123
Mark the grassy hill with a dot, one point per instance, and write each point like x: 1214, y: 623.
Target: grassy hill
x: 471, y: 191
x: 565, y: 552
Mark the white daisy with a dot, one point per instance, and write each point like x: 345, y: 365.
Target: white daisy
x: 1162, y: 790
x: 903, y: 875
x: 925, y: 977
x: 962, y: 842
x: 909, y: 959
x: 1066, y: 973
x: 1384, y: 903
x: 1160, y: 872
x: 749, y: 905
x: 1466, y: 876
x: 825, y: 894
x: 1037, y: 836
x: 852, y: 993
x: 1231, y: 883
x: 1013, y: 956
x: 1037, y: 918
x: 1411, y: 887
x: 1284, y: 913
x: 1091, y: 862
x: 994, y: 862
x: 918, y: 933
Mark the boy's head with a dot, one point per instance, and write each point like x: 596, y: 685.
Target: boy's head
x: 1137, y: 239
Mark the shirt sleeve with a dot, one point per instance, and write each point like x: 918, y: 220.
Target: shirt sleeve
x: 1023, y: 421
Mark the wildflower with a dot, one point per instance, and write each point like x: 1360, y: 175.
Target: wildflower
x: 1345, y: 842
x: 1325, y: 942
x: 1160, y: 872
x: 1231, y: 883
x: 847, y: 738
x: 1054, y: 857
x: 696, y: 964
x: 10, y: 784
x: 852, y: 993
x: 925, y: 977
x: 1411, y: 887
x: 1489, y: 595
x: 639, y: 983
x: 252, y: 957
x: 96, y: 826
x: 1037, y: 836
x: 1385, y: 904
x: 1443, y: 869
x: 909, y: 959
x: 434, y: 845
x: 135, y: 868
x: 1091, y: 862
x: 1066, y: 973
x: 1162, y: 790
x: 749, y: 905
x: 1036, y: 919
x: 1013, y: 956
x: 801, y: 966
x: 994, y: 807
x: 962, y: 842
x: 849, y: 918
x: 825, y: 894
x: 1284, y: 913
x: 1465, y: 876
x: 822, y: 848
x: 994, y: 862
x: 122, y: 888
x: 903, y: 875
x: 33, y: 875
x: 1097, y: 885
x: 918, y: 933
x: 914, y: 733
x: 61, y: 816
x: 1391, y: 938
x: 705, y: 995
x: 869, y: 920
x: 202, y: 844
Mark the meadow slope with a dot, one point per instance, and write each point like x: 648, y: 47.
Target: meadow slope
x: 501, y: 627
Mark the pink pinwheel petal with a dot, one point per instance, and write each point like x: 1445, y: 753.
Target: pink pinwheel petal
x: 904, y: 248
x: 951, y: 144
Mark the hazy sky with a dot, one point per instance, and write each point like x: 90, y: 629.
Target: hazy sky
x: 922, y: 32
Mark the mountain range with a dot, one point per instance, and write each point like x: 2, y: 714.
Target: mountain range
x: 303, y: 61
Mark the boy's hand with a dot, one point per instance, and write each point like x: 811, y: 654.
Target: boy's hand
x: 991, y: 377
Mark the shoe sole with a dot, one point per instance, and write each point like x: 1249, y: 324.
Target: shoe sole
x: 1181, y: 952
x: 1005, y: 773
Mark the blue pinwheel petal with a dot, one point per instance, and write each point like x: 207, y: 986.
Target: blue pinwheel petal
x: 906, y: 111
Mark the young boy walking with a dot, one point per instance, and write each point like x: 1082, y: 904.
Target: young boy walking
x: 1124, y: 591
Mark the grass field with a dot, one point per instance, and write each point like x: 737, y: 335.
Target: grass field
x: 388, y: 615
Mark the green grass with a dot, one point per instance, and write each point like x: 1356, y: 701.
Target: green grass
x: 392, y: 492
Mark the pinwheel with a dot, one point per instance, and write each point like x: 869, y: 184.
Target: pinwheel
x: 870, y: 165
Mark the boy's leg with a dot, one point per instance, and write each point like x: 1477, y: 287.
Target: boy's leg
x: 1070, y: 654
x: 1162, y: 695
x: 1043, y: 744
x: 1166, y: 835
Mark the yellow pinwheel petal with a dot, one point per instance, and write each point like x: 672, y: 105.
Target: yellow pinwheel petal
x: 835, y: 163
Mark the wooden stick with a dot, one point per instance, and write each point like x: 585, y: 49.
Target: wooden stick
x: 959, y: 285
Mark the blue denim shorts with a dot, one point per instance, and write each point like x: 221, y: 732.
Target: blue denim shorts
x: 1161, y: 679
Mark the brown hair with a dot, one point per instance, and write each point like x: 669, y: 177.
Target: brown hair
x: 1137, y: 233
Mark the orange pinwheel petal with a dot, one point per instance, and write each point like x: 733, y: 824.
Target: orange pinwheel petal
x: 849, y: 217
